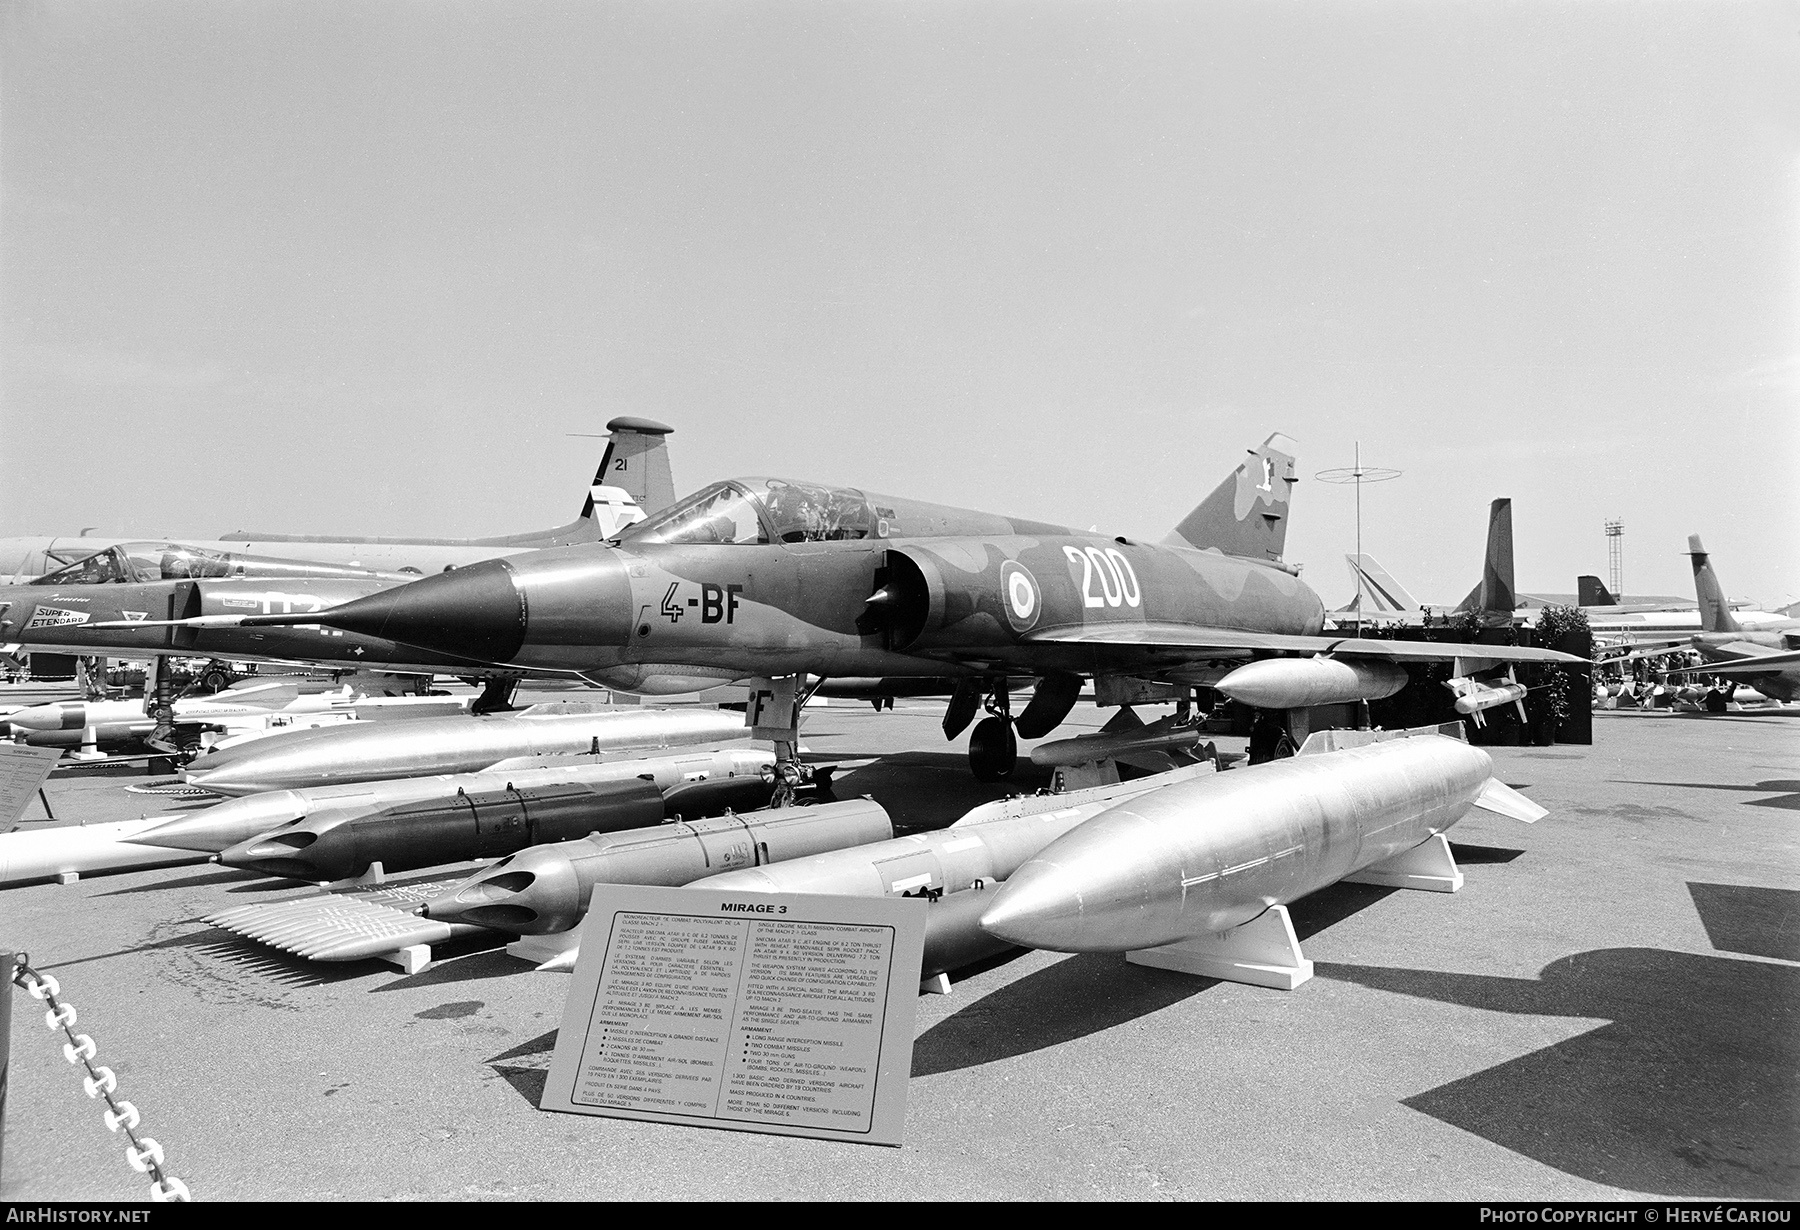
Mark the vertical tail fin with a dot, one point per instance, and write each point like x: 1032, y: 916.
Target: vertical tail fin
x: 633, y: 480
x: 1715, y: 612
x: 1590, y: 592
x: 1377, y: 593
x: 1494, y: 599
x: 1247, y: 513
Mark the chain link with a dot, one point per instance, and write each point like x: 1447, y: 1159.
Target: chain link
x: 144, y: 1154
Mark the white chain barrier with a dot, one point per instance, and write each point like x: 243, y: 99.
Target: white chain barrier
x: 144, y: 1154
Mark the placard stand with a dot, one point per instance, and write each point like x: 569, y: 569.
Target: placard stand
x: 782, y: 1013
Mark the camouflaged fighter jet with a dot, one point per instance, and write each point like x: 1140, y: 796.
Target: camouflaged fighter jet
x: 784, y: 582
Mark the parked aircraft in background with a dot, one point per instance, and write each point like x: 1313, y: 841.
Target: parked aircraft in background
x: 1382, y: 600
x: 1379, y: 598
x: 783, y: 582
x: 633, y: 480
x: 1766, y: 656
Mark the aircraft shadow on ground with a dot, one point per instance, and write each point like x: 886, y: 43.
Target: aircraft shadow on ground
x: 526, y: 1067
x: 1690, y: 1090
x: 1758, y: 922
x: 1787, y: 791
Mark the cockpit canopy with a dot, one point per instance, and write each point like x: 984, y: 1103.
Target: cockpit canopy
x: 763, y: 510
x: 130, y: 562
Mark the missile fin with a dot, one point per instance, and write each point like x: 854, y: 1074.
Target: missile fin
x: 561, y: 961
x: 1502, y: 800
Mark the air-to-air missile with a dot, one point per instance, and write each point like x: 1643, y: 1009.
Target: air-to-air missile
x: 545, y: 889
x: 226, y: 824
x: 380, y: 751
x: 1204, y: 856
x: 1299, y: 683
x: 780, y: 580
x: 1474, y: 698
x: 68, y: 852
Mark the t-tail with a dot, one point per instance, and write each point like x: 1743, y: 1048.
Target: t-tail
x: 1494, y: 598
x: 1247, y: 515
x: 1590, y: 591
x: 633, y: 480
x: 1715, y: 612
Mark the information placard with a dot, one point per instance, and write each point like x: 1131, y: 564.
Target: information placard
x: 782, y: 1013
x: 23, y: 772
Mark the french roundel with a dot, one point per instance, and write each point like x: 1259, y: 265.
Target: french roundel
x: 1023, y: 600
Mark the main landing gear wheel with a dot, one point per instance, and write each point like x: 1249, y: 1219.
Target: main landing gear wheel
x: 992, y: 749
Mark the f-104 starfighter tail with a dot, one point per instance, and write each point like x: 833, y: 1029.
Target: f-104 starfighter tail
x: 633, y: 480
x: 1247, y: 515
x: 1715, y: 611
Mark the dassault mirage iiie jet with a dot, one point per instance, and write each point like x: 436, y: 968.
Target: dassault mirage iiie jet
x: 783, y: 582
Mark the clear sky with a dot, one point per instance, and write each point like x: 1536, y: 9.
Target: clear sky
x: 362, y: 267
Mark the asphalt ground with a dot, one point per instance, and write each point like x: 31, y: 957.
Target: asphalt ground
x: 1608, y: 1010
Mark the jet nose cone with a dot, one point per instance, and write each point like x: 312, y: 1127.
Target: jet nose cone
x: 476, y: 612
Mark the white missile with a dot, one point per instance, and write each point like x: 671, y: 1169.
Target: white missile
x: 78, y: 849
x: 1204, y: 856
x: 1473, y: 698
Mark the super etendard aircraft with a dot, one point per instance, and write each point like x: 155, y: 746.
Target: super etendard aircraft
x: 772, y: 580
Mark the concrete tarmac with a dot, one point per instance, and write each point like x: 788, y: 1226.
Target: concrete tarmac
x: 1610, y: 1009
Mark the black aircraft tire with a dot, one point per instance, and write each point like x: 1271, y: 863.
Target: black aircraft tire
x: 992, y: 750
